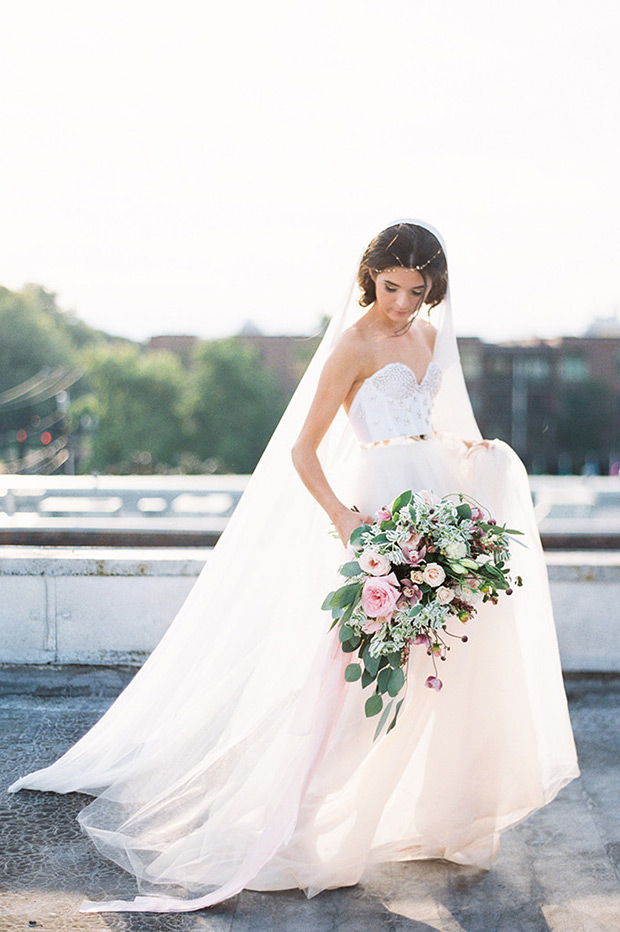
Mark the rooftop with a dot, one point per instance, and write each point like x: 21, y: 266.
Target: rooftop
x: 559, y: 870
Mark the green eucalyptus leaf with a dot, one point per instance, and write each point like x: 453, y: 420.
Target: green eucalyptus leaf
x: 403, y: 499
x: 383, y: 719
x: 345, y: 596
x: 371, y: 664
x: 383, y: 679
x: 352, y: 672
x: 367, y: 679
x: 380, y: 539
x: 346, y: 615
x: 393, y: 722
x: 356, y: 534
x: 350, y: 569
x: 397, y: 681
x: 394, y: 658
x: 373, y: 706
x: 327, y: 603
x: 345, y: 633
x: 464, y: 510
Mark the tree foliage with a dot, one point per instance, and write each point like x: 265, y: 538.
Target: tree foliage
x: 234, y: 405
x: 135, y: 407
x: 30, y: 339
x: 135, y: 410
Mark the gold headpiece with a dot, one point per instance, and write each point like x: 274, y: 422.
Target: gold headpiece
x: 414, y: 268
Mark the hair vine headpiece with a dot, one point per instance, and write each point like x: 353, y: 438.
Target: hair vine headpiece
x: 419, y: 268
x: 413, y: 268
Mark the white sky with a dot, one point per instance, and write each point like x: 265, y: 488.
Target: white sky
x: 174, y: 166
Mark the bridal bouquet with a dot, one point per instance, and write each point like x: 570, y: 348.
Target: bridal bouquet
x: 423, y: 563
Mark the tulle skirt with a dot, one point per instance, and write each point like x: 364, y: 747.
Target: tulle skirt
x: 239, y: 758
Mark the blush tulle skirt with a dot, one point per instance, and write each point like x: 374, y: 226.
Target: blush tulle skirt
x: 239, y: 758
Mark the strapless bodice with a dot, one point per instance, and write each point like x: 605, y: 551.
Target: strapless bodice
x: 392, y: 403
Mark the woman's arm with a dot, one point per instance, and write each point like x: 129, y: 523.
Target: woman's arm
x: 339, y: 374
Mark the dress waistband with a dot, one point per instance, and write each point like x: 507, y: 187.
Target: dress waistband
x: 395, y: 441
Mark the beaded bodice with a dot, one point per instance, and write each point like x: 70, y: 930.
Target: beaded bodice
x: 392, y: 403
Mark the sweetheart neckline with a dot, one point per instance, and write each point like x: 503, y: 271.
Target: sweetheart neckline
x: 419, y: 382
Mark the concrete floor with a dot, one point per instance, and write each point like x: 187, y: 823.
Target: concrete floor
x: 559, y: 870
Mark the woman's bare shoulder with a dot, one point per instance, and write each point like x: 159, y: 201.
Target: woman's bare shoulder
x: 352, y: 345
x: 428, y: 332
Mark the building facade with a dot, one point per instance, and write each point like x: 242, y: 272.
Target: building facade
x: 557, y: 401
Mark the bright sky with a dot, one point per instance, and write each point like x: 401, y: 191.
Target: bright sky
x: 176, y: 166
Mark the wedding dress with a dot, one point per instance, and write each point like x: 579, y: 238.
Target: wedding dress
x: 239, y: 758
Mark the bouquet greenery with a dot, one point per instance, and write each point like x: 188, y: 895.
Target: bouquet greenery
x: 422, y: 563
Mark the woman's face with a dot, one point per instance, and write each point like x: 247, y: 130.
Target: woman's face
x: 400, y: 293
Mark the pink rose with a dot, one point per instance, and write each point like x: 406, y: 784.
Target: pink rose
x: 379, y: 595
x: 384, y: 514
x: 373, y: 626
x: 444, y: 595
x: 373, y: 562
x: 418, y: 576
x: 433, y: 574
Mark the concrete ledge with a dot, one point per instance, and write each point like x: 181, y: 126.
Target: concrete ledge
x: 111, y: 606
x: 585, y: 589
x: 101, y: 561
x: 90, y: 606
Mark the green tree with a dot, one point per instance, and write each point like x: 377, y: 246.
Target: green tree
x: 234, y: 405
x: 30, y: 338
x: 135, y: 407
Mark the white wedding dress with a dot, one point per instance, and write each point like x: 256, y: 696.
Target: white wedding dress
x: 239, y: 758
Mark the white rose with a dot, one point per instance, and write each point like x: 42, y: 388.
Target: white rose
x: 375, y: 563
x: 417, y: 576
x: 483, y: 558
x: 455, y: 550
x: 433, y: 574
x: 444, y: 595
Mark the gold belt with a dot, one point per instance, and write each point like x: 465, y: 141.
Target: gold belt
x: 394, y: 441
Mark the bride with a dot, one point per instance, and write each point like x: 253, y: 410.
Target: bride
x: 238, y: 757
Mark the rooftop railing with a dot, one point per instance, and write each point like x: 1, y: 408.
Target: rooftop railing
x: 573, y: 512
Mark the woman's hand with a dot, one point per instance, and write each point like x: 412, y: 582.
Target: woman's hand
x: 477, y: 444
x: 346, y: 522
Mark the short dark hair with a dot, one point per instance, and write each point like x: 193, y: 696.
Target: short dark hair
x: 406, y: 245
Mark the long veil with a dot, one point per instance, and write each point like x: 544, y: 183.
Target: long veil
x: 200, y: 765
